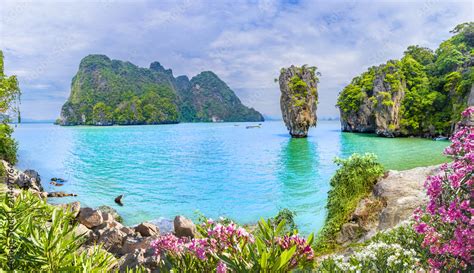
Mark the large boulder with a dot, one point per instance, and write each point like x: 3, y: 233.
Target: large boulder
x: 299, y: 99
x: 393, y: 200
x: 112, y: 240
x: 402, y: 192
x: 131, y: 243
x: 147, y: 229
x: 90, y: 218
x: 183, y: 227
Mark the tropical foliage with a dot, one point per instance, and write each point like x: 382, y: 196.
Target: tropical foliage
x: 35, y: 236
x: 436, y: 85
x: 229, y: 247
x: 9, y: 97
x: 353, y: 180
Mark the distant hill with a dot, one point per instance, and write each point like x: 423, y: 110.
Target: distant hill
x: 107, y: 92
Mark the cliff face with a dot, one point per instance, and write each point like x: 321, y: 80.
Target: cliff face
x: 107, y: 92
x: 299, y: 98
x: 379, y: 109
x: 422, y: 94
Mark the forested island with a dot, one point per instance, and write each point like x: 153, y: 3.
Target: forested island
x: 108, y: 92
x: 421, y: 94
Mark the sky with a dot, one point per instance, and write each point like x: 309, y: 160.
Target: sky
x: 244, y: 42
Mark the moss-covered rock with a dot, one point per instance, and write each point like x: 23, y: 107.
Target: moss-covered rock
x: 299, y: 98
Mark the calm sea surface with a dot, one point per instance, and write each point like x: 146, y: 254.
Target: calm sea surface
x: 220, y: 169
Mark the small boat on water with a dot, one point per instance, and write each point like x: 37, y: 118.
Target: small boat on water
x: 440, y: 138
x: 253, y: 126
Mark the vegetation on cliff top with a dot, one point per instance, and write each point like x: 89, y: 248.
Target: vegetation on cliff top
x: 436, y: 84
x: 9, y: 96
x: 106, y: 92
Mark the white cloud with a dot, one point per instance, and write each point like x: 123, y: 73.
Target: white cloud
x: 245, y: 43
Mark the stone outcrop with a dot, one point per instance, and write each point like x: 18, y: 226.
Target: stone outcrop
x: 379, y: 110
x: 147, y: 229
x: 90, y: 217
x: 393, y: 200
x: 183, y: 227
x: 299, y: 99
x: 27, y: 180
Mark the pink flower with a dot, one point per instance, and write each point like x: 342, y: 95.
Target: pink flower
x: 447, y: 222
x: 221, y: 267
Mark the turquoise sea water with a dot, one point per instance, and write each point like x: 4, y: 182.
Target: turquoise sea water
x: 220, y: 169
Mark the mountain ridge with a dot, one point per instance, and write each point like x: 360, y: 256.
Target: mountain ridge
x: 107, y: 92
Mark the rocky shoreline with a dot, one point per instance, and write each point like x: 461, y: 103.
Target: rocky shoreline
x: 131, y: 245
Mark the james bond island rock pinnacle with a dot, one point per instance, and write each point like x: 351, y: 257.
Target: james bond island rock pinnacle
x: 299, y: 98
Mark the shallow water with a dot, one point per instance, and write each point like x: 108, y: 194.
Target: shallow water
x: 220, y: 169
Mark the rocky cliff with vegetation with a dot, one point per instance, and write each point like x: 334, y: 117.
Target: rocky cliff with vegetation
x: 107, y: 92
x: 422, y: 94
x: 299, y: 98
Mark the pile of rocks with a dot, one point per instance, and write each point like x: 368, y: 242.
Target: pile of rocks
x: 132, y: 245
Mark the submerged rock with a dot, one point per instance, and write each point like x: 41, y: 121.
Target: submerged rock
x: 299, y: 98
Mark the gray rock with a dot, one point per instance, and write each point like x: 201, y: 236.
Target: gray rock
x: 131, y: 243
x: 84, y: 231
x: 402, y: 192
x: 183, y: 227
x: 90, y: 218
x: 147, y: 229
x: 112, y: 211
x: 139, y: 258
x: 60, y: 194
x: 112, y: 240
x: 298, y: 104
x: 73, y: 207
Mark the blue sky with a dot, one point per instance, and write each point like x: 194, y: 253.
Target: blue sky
x: 243, y: 42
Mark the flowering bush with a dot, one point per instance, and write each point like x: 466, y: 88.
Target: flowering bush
x: 230, y: 247
x: 376, y: 257
x: 447, y: 221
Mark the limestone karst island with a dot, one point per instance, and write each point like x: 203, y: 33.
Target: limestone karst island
x: 237, y: 136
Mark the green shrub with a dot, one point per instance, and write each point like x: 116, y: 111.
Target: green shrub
x: 35, y: 236
x: 8, y: 146
x: 352, y: 181
x: 289, y: 217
